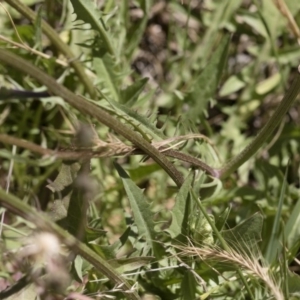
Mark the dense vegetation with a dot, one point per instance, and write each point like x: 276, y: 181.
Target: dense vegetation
x: 149, y: 149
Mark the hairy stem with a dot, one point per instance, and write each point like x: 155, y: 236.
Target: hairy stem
x: 22, y: 209
x: 92, y: 110
x: 105, y: 151
x: 57, y: 42
x: 266, y: 131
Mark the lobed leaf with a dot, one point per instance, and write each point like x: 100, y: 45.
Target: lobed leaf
x: 87, y: 12
x: 142, y: 214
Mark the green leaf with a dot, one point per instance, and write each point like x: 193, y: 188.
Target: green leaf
x: 206, y: 84
x: 135, y: 35
x: 293, y: 282
x: 268, y: 84
x: 274, y: 242
x: 129, y: 264
x: 108, y: 78
x: 201, y: 231
x: 38, y: 29
x: 78, y: 267
x: 87, y: 11
x: 294, y: 6
x: 142, y: 214
x: 76, y: 213
x: 58, y: 209
x: 65, y: 177
x: 188, y: 286
x: 132, y: 92
x: 245, y: 235
x: 222, y: 218
x: 102, y: 251
x: 233, y: 84
x: 292, y: 230
x: 143, y: 171
x: 94, y: 233
x: 140, y: 122
x: 256, y: 23
x: 70, y: 212
x: 180, y: 209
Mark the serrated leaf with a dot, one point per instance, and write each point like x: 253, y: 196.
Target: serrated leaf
x: 206, y: 84
x: 87, y: 12
x: 142, y: 214
x: 104, y: 68
x: 179, y: 210
x: 246, y: 234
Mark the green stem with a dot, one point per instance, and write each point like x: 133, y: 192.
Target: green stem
x: 22, y: 209
x: 266, y: 131
x: 221, y: 239
x: 92, y: 110
x: 57, y: 42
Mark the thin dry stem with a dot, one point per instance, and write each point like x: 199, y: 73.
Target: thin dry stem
x: 283, y: 8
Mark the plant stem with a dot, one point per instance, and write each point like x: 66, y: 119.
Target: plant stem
x: 57, y: 42
x: 22, y: 209
x: 104, y: 151
x: 92, y: 110
x: 266, y: 131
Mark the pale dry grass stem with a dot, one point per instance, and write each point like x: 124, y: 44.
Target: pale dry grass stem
x: 284, y: 10
x: 250, y: 264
